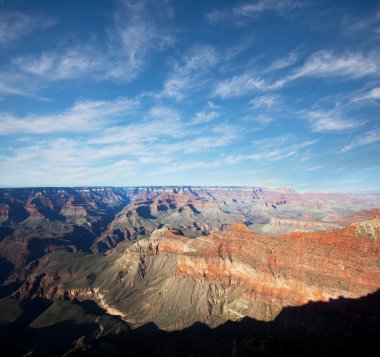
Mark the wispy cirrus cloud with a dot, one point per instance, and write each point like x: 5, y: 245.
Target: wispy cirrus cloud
x: 349, y: 65
x: 368, y: 138
x: 330, y: 121
x: 14, y: 25
x: 275, y: 149
x: 83, y: 116
x: 321, y: 64
x: 156, y: 142
x: 135, y: 34
x: 367, y: 25
x: 167, y: 136
x: 283, y: 150
x: 55, y: 162
x: 190, y: 73
x: 238, y: 15
x: 373, y: 94
x: 204, y: 117
x: 121, y: 57
x: 142, y: 133
x: 9, y: 90
x: 272, y: 155
x: 264, y: 101
x: 71, y: 63
x: 240, y: 85
x: 196, y: 98
x: 275, y: 141
x: 284, y: 62
x: 220, y: 135
x: 266, y: 5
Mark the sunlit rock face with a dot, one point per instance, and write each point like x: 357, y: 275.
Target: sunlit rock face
x: 175, y: 281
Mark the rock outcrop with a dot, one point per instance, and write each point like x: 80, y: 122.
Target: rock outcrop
x: 175, y: 281
x: 4, y: 212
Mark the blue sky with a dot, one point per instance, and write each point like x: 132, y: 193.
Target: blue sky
x: 281, y: 93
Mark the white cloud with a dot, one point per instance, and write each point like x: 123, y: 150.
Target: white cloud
x: 62, y: 161
x: 305, y: 144
x: 143, y: 132
x: 273, y: 155
x: 240, y: 85
x: 359, y: 25
x: 218, y: 136
x: 109, y: 156
x: 239, y: 14
x: 279, y: 140
x: 284, y: 62
x: 71, y: 63
x: 321, y: 121
x: 190, y: 75
x: 266, y: 156
x: 5, y: 89
x: 372, y: 94
x: 265, y: 101
x: 321, y: 64
x: 216, y: 16
x: 14, y: 25
x: 205, y: 143
x: 159, y: 124
x: 325, y: 63
x: 260, y: 119
x: 282, y: 150
x: 133, y: 36
x: 212, y: 105
x: 279, y: 6
x: 106, y: 152
x: 238, y: 48
x: 83, y: 116
x: 204, y: 117
x: 276, y: 149
x: 370, y: 137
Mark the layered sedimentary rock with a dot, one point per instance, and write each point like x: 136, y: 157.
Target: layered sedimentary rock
x: 4, y: 212
x: 175, y: 257
x: 36, y: 221
x: 175, y: 281
x: 198, y: 211
x: 74, y: 212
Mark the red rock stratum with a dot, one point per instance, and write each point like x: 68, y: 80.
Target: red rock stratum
x: 175, y: 281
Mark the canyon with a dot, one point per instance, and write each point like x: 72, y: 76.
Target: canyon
x: 173, y: 263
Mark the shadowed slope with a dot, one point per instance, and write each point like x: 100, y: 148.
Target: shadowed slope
x: 334, y: 328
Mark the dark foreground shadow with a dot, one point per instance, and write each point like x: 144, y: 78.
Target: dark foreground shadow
x: 342, y: 327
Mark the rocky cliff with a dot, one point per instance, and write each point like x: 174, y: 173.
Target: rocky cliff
x: 175, y: 281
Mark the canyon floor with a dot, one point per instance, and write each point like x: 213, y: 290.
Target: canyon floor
x: 176, y: 271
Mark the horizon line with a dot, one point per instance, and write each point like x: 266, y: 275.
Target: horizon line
x: 189, y: 186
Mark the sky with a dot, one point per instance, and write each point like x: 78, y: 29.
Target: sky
x: 272, y: 93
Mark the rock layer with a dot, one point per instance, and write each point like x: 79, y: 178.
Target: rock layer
x: 175, y: 281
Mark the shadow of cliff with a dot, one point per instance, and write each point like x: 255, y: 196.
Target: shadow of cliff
x: 6, y: 268
x: 334, y: 328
